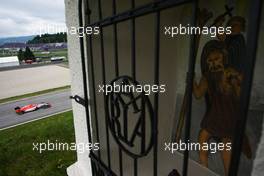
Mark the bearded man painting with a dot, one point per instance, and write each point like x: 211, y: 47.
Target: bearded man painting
x: 220, y: 85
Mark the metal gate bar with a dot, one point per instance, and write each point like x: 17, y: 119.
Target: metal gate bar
x: 120, y: 153
x: 189, y: 88
x: 91, y: 66
x: 104, y: 83
x: 252, y: 44
x: 102, y: 166
x: 133, y: 65
x: 140, y: 11
x: 156, y: 95
x: 115, y: 41
x: 133, y: 43
x: 81, y: 40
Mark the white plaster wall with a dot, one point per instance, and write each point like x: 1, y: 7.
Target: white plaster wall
x: 82, y: 166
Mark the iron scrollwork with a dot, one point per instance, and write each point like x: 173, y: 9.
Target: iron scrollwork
x: 119, y: 107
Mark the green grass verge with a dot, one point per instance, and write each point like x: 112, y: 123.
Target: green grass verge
x: 33, y: 94
x: 16, y: 147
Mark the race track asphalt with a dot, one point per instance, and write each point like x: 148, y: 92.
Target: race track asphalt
x: 59, y: 101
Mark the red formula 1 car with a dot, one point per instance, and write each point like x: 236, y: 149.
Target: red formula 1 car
x: 31, y: 107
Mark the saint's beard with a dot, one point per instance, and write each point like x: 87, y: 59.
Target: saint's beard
x: 214, y: 79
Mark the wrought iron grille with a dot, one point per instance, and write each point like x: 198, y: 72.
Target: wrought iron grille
x: 115, y: 103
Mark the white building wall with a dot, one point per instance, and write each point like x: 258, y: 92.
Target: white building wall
x: 9, y: 64
x: 82, y: 166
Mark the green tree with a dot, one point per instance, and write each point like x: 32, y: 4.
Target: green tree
x: 20, y: 55
x: 49, y: 38
x: 28, y: 54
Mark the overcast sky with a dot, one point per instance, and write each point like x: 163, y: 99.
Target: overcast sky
x: 27, y: 17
